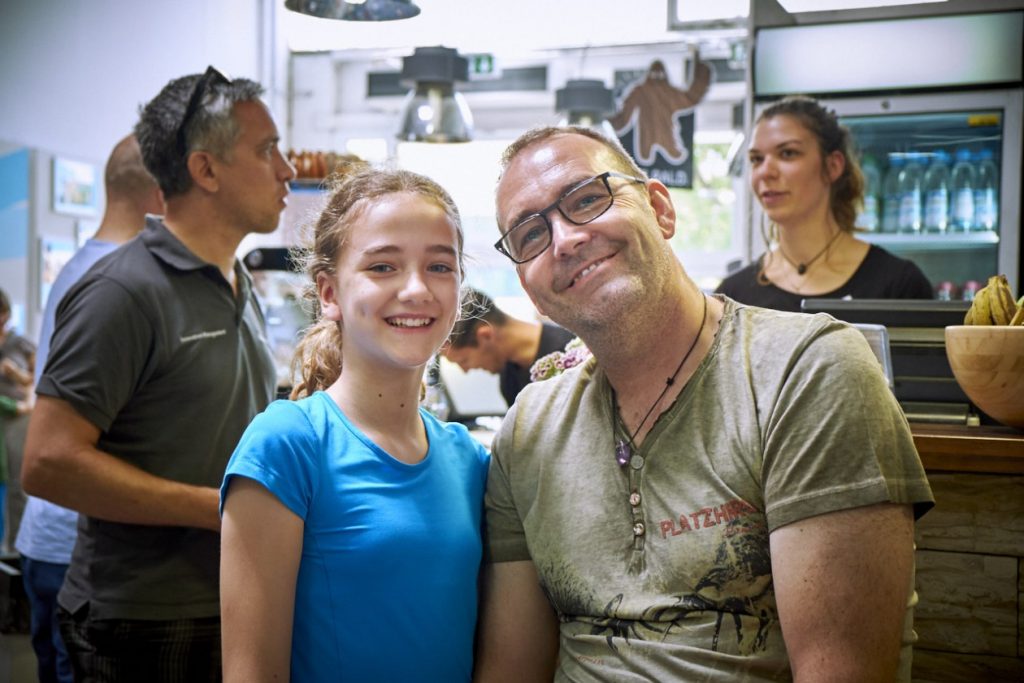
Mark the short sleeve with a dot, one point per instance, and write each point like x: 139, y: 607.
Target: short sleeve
x: 505, y: 539
x: 837, y: 438
x: 101, y: 350
x: 280, y: 451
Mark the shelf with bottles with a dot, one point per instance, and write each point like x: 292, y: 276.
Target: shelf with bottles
x: 933, y: 241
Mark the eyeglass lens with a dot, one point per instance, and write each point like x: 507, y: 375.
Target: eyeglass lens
x: 580, y: 205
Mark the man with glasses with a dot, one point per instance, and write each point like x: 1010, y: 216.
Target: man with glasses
x: 720, y: 493
x: 157, y: 363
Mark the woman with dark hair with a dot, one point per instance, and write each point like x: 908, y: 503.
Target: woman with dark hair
x: 806, y: 178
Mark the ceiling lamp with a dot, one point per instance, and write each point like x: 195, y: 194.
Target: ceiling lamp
x: 365, y: 10
x: 434, y: 111
x: 586, y: 102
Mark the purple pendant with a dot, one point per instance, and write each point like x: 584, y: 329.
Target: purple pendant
x: 622, y: 452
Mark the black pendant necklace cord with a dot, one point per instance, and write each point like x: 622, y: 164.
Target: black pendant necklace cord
x: 623, y: 449
x: 801, y: 268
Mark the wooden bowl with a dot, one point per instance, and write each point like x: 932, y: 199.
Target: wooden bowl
x: 988, y: 363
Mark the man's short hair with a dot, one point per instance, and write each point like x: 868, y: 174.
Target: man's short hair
x: 213, y: 128
x: 624, y: 162
x: 477, y: 309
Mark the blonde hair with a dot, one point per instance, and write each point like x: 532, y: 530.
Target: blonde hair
x: 317, y: 360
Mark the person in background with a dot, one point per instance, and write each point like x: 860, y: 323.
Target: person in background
x: 490, y: 339
x: 47, y: 531
x: 805, y: 175
x: 157, y: 363
x: 703, y: 498
x: 17, y: 363
x: 351, y: 538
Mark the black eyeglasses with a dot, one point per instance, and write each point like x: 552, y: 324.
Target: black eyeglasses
x: 582, y: 203
x: 209, y: 79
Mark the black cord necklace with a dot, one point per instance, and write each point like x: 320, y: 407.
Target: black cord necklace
x: 624, y: 447
x: 801, y: 268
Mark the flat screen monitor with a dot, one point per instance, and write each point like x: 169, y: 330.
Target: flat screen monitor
x: 470, y: 394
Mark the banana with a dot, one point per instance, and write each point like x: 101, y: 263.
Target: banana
x: 1001, y: 302
x: 1018, y: 317
x: 969, y: 316
x: 981, y: 307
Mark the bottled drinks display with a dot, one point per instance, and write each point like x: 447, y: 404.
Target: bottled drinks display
x: 962, y: 181
x: 986, y: 193
x: 936, y: 193
x: 891, y: 194
x: 910, y: 184
x: 870, y: 218
x: 932, y: 192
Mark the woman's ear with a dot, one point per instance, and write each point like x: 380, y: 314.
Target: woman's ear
x: 835, y: 164
x: 327, y: 291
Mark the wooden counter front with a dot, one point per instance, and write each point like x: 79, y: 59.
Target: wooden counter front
x: 970, y: 555
x: 958, y: 448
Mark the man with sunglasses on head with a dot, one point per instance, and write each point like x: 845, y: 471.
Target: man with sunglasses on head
x: 721, y: 493
x: 157, y: 363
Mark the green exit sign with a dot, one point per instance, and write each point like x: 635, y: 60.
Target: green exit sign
x: 483, y: 66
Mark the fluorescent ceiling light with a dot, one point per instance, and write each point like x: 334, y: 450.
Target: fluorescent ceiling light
x: 794, y: 6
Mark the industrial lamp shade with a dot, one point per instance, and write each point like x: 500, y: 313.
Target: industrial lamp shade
x: 585, y: 102
x: 433, y: 110
x: 370, y: 10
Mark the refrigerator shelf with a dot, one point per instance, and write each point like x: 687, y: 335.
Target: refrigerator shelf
x: 932, y: 242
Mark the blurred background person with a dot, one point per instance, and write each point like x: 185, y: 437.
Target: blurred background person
x: 805, y: 175
x: 47, y: 531
x: 17, y: 363
x: 489, y: 339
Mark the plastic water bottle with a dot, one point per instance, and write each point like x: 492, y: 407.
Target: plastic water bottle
x: 986, y: 192
x: 936, y: 193
x: 891, y: 194
x: 869, y: 217
x: 910, y: 195
x: 962, y: 181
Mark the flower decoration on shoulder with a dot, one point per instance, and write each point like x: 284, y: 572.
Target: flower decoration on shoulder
x: 557, y: 362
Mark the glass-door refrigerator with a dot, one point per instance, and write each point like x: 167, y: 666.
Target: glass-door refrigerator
x: 943, y: 177
x: 936, y: 106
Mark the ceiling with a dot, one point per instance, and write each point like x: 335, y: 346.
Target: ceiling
x: 501, y: 28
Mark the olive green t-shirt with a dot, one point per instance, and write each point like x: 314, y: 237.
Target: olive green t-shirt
x: 660, y: 570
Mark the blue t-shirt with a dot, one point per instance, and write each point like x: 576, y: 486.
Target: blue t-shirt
x: 387, y: 583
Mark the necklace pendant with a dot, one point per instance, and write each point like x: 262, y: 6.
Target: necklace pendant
x: 801, y: 269
x: 622, y: 452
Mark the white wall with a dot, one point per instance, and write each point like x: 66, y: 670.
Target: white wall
x: 73, y: 74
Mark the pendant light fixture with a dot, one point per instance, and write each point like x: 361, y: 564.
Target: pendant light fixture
x: 586, y: 102
x: 433, y: 110
x: 362, y: 10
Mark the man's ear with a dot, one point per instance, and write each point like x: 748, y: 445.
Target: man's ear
x: 327, y: 292
x: 201, y: 166
x: 484, y: 335
x: 664, y: 210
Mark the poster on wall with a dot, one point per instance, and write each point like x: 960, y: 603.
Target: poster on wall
x: 53, y: 255
x: 655, y: 122
x: 75, y: 188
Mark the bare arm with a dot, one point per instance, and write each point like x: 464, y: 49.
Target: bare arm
x: 261, y: 545
x: 842, y: 581
x: 518, y: 630
x: 63, y: 465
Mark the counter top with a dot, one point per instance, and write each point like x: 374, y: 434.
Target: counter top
x: 958, y: 448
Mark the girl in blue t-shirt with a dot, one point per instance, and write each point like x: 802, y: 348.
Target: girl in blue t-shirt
x: 351, y: 517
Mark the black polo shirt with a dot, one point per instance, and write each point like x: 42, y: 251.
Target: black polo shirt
x: 153, y: 347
